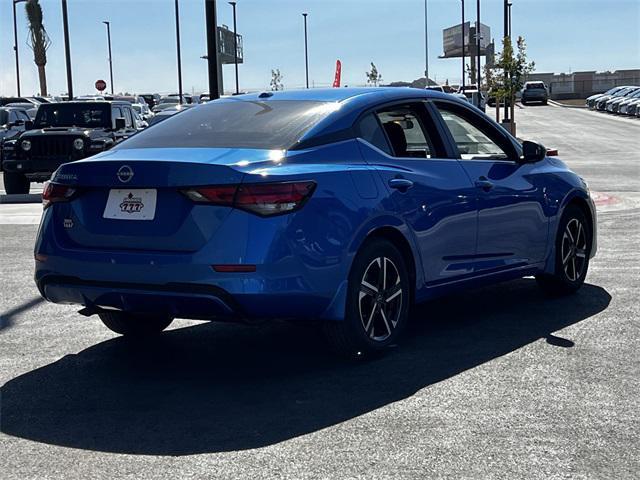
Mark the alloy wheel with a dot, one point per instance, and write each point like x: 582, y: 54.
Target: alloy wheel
x: 574, y: 249
x: 380, y: 299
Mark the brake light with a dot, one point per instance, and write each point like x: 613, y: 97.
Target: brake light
x: 265, y: 199
x: 55, y: 192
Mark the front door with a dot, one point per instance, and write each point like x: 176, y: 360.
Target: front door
x: 512, y: 225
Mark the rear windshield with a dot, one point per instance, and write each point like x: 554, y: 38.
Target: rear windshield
x: 276, y: 124
x: 91, y: 115
x: 535, y: 85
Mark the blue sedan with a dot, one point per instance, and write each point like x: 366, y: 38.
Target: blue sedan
x: 345, y: 206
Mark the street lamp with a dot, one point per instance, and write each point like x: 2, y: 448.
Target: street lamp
x: 15, y: 43
x: 426, y: 46
x: 478, y: 38
x: 464, y: 38
x: 108, y: 24
x: 306, y: 52
x: 235, y: 44
x: 67, y: 49
x: 178, y: 51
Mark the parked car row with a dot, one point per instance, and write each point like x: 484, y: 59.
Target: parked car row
x: 623, y: 100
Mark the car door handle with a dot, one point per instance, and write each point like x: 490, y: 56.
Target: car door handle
x: 401, y: 184
x: 484, y: 184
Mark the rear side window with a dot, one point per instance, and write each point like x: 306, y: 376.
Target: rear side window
x: 369, y: 130
x: 274, y: 124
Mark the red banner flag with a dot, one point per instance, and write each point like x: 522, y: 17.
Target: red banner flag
x: 336, y: 80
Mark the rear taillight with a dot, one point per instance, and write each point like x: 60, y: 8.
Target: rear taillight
x: 263, y: 199
x: 54, y: 193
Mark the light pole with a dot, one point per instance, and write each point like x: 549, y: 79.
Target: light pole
x: 235, y: 44
x: 178, y: 51
x: 426, y: 46
x: 464, y: 38
x: 306, y: 51
x: 507, y: 33
x: 108, y: 24
x: 15, y: 44
x: 478, y: 38
x: 67, y: 48
x: 212, y: 48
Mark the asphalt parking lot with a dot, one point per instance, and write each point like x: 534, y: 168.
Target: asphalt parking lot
x: 496, y: 383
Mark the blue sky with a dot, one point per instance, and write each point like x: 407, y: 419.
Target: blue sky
x: 562, y: 35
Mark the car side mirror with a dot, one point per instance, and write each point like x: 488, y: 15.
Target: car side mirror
x: 533, y: 152
x: 120, y: 123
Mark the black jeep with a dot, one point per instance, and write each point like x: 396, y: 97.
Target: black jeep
x: 61, y: 133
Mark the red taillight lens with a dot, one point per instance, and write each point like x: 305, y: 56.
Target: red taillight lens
x: 263, y: 198
x: 54, y: 192
x: 273, y: 198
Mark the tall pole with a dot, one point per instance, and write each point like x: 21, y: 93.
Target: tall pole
x: 509, y: 5
x: 426, y: 45
x: 15, y: 44
x: 506, y: 34
x: 178, y: 51
x: 478, y: 37
x: 108, y: 24
x: 67, y: 50
x: 212, y: 48
x: 235, y: 44
x: 306, y: 51
x: 464, y: 38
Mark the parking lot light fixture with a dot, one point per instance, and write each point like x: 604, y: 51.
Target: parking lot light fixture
x: 15, y: 44
x: 306, y: 51
x: 463, y: 42
x: 178, y: 52
x: 108, y: 24
x: 235, y: 44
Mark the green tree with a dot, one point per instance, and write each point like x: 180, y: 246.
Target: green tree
x: 276, y: 80
x: 373, y: 77
x: 39, y: 40
x: 508, y: 75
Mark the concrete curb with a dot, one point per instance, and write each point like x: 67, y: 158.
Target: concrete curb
x: 21, y: 198
x: 557, y: 104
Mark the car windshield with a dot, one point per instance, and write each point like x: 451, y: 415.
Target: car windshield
x: 73, y: 115
x: 276, y: 124
x: 137, y: 108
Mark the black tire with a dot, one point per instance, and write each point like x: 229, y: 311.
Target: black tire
x: 386, y: 310
x: 16, y: 183
x: 523, y: 102
x: 545, y: 102
x: 135, y: 325
x: 573, y: 244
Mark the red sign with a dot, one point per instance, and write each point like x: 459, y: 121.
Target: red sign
x: 101, y: 85
x: 336, y: 80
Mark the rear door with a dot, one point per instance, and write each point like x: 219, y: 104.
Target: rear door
x: 430, y: 191
x: 512, y: 225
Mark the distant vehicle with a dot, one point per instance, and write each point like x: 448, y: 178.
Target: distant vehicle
x: 29, y: 108
x: 534, y: 92
x: 168, y: 112
x: 89, y: 98
x: 61, y: 133
x: 601, y: 103
x: 186, y: 98
x: 168, y: 102
x: 151, y: 99
x: 491, y: 100
x: 591, y: 101
x: 7, y: 100
x: 265, y: 206
x: 143, y: 110
x: 474, y: 96
x: 205, y: 97
x: 613, y: 106
x: 12, y: 123
x: 436, y: 88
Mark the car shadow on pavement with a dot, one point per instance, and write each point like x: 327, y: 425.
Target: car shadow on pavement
x: 221, y: 387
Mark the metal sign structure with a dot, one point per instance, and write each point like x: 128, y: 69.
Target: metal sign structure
x: 226, y: 44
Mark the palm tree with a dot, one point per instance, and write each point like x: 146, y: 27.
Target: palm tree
x: 39, y: 41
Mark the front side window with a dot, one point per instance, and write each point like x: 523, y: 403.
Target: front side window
x: 232, y: 123
x: 472, y: 142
